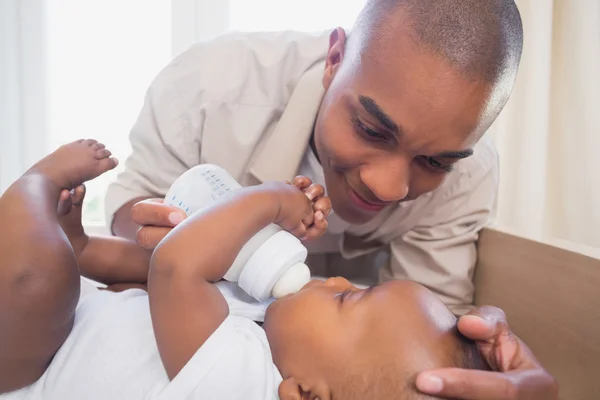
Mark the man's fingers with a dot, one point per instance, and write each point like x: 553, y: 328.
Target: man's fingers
x: 483, y: 385
x: 155, y: 213
x: 463, y: 384
x: 483, y: 323
x: 467, y: 384
x: 154, y: 200
x: 148, y: 237
x: 502, y: 350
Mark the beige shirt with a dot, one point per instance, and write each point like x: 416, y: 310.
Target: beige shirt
x: 248, y: 102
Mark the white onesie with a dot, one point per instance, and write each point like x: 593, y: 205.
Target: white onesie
x: 111, y: 354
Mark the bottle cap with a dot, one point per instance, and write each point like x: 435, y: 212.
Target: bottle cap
x: 292, y: 280
x: 269, y: 263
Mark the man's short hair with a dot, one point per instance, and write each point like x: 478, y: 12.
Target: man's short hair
x: 482, y: 39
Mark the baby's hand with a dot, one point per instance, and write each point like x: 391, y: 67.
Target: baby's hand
x: 321, y: 205
x: 303, y: 207
x: 69, y: 215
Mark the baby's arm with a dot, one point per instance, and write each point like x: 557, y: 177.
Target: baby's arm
x: 107, y: 260
x: 113, y: 260
x: 186, y: 307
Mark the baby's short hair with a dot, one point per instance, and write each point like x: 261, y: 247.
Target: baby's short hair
x: 390, y: 382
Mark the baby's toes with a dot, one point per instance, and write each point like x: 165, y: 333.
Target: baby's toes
x: 98, y: 168
x: 89, y: 142
x: 106, y: 164
x: 102, y: 153
x: 98, y: 146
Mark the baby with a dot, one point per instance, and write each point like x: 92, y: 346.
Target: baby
x: 180, y: 340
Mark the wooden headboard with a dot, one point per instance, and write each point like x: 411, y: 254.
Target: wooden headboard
x: 551, y: 295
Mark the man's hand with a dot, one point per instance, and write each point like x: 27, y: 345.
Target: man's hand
x: 519, y: 376
x: 156, y: 219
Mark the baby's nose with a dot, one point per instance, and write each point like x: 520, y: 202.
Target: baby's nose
x: 338, y: 281
x: 312, y: 283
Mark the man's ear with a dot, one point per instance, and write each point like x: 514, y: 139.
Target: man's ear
x: 335, y: 55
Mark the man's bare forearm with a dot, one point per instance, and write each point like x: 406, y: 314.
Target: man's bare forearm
x: 123, y: 226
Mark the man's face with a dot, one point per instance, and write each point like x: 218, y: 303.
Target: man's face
x: 393, y: 122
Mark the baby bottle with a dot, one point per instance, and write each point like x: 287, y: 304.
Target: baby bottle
x: 271, y: 263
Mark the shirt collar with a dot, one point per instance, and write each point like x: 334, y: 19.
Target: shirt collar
x: 282, y: 152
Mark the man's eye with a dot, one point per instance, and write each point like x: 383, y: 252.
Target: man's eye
x: 367, y: 132
x: 438, y: 165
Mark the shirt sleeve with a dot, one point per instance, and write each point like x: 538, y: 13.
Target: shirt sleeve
x: 440, y: 253
x: 165, y: 141
x: 235, y: 363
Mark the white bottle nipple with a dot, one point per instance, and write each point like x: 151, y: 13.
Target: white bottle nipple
x: 291, y: 281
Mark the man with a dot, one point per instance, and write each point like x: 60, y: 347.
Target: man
x: 390, y: 119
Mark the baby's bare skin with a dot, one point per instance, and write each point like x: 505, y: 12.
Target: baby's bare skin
x: 44, y: 252
x: 39, y: 275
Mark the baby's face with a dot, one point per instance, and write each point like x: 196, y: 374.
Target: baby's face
x: 318, y: 332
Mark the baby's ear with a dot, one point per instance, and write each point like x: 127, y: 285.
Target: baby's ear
x: 290, y: 389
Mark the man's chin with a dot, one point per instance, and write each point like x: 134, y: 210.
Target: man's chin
x: 354, y: 216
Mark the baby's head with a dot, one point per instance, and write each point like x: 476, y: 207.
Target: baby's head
x: 332, y: 340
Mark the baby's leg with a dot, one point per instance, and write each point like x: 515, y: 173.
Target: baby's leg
x: 39, y: 276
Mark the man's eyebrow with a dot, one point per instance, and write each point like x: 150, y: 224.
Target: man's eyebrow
x: 372, y: 108
x: 456, y: 154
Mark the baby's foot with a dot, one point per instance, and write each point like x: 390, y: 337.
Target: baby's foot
x: 69, y: 216
x: 75, y: 163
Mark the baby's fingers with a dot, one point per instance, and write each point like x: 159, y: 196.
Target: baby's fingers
x: 69, y: 199
x: 309, y: 217
x: 314, y: 192
x: 77, y: 195
x: 301, y: 182
x: 323, y: 205
x: 299, y: 231
x: 318, y: 227
x: 64, y: 203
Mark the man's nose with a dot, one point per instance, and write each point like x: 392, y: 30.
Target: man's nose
x: 389, y: 181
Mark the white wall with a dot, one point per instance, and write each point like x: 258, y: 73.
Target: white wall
x: 23, y: 83
x: 195, y: 20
